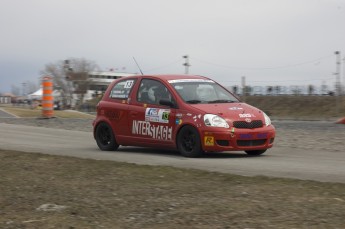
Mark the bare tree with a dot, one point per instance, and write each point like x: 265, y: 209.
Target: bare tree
x: 70, y: 76
x: 15, y: 90
x: 310, y: 89
x: 31, y: 87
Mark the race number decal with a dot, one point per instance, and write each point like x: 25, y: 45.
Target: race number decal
x: 129, y: 84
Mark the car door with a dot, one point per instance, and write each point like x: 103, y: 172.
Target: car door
x: 116, y: 107
x: 151, y: 123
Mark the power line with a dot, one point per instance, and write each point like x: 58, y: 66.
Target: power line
x: 263, y: 68
x: 163, y: 66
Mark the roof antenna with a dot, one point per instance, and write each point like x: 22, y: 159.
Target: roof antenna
x: 138, y: 66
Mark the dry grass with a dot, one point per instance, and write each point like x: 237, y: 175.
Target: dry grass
x: 35, y: 113
x: 300, y: 107
x: 292, y: 107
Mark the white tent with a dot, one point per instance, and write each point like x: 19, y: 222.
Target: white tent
x: 38, y: 94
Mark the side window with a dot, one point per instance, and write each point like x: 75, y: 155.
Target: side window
x: 122, y: 89
x: 151, y: 91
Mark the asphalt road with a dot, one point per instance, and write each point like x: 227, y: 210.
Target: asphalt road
x: 280, y: 161
x: 4, y: 114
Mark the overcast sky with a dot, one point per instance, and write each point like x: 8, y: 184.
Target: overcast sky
x: 271, y: 42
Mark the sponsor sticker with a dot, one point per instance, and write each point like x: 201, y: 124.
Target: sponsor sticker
x: 113, y: 115
x: 178, y: 121
x: 209, y: 141
x: 245, y: 115
x: 157, y: 115
x: 245, y: 136
x: 262, y: 135
x: 154, y: 131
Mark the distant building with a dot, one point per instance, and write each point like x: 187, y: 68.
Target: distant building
x: 99, y: 81
x: 5, y: 99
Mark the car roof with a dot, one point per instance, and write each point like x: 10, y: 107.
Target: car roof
x: 167, y: 77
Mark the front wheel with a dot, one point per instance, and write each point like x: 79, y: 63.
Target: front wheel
x: 105, y: 138
x: 255, y: 152
x: 188, y: 142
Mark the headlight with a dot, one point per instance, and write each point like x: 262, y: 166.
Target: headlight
x: 267, y: 119
x: 215, y: 120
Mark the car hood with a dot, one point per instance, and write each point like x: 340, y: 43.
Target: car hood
x: 231, y: 111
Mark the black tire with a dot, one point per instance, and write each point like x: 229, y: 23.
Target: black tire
x: 105, y: 138
x: 255, y: 152
x: 188, y: 142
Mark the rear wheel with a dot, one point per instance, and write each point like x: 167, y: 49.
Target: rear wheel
x: 255, y: 152
x: 188, y: 142
x: 105, y: 138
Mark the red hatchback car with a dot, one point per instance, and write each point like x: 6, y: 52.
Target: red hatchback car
x: 193, y: 114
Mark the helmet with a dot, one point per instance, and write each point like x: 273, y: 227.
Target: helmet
x: 151, y: 93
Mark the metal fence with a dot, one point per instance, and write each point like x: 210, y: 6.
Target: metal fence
x: 283, y: 90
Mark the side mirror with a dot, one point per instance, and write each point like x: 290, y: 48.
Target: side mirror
x: 167, y: 102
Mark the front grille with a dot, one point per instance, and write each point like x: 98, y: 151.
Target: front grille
x: 223, y: 142
x: 248, y: 125
x: 258, y: 142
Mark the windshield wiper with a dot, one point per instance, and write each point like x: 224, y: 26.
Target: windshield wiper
x: 222, y: 101
x: 194, y: 101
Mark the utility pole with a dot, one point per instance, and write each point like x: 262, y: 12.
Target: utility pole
x: 24, y: 88
x: 186, y: 64
x: 243, y: 79
x: 337, y: 82
x: 337, y: 74
x: 343, y: 86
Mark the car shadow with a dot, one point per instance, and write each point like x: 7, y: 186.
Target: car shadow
x: 146, y: 150
x: 175, y: 153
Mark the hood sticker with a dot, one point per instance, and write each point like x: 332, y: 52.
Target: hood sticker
x: 246, y: 115
x: 179, y: 115
x: 235, y: 108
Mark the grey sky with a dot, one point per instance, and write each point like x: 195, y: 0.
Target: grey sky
x: 271, y: 42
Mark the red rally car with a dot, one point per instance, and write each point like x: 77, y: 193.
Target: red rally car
x: 193, y: 114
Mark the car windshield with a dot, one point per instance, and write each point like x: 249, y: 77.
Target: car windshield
x: 196, y: 91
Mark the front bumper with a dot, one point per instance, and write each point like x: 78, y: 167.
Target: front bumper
x: 234, y: 139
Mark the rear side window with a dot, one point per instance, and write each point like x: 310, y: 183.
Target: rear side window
x: 122, y: 89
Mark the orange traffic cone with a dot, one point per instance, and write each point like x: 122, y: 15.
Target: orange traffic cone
x: 341, y: 121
